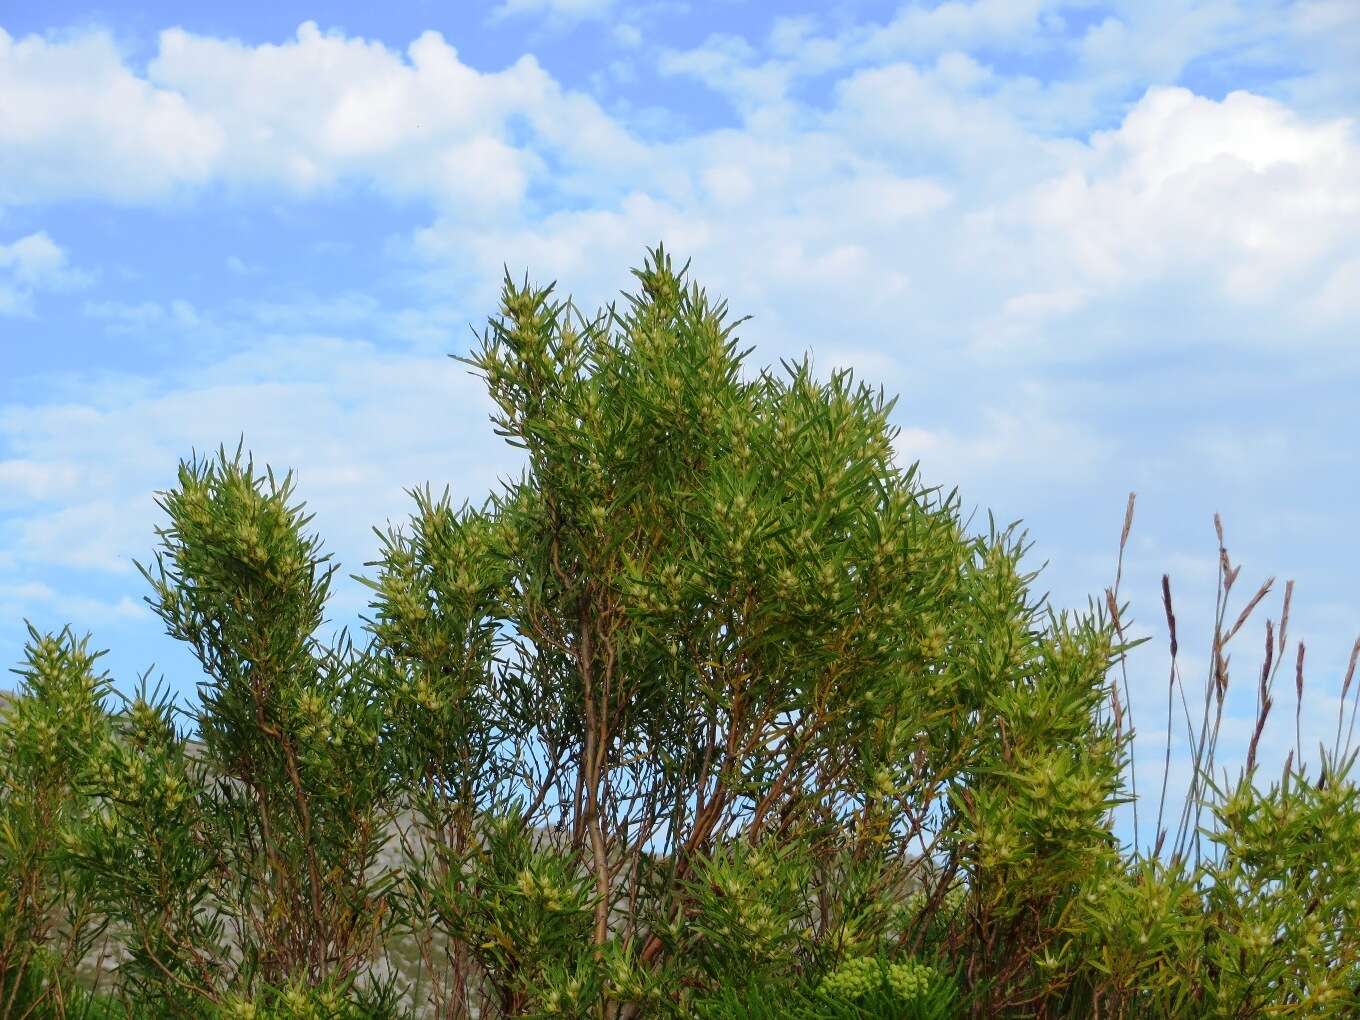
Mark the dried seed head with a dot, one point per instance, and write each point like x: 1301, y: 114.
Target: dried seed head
x: 1255, y: 601
x: 1298, y: 671
x: 1170, y: 616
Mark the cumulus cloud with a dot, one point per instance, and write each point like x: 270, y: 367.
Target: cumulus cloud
x: 32, y: 259
x: 30, y: 264
x: 391, y: 422
x: 421, y: 126
x: 1068, y: 65
x: 79, y: 122
x: 953, y: 225
x: 1186, y: 178
x: 1239, y: 206
x: 1244, y: 193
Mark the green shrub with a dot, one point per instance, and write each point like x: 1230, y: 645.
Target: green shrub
x: 50, y: 739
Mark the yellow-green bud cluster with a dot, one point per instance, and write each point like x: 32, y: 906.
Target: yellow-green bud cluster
x: 565, y: 999
x: 853, y: 979
x: 858, y: 977
x: 910, y: 980
x: 296, y: 1003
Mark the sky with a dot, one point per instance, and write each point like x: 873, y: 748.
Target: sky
x: 1095, y: 248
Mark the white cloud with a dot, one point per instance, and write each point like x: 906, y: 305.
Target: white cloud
x: 1251, y: 202
x: 353, y: 105
x: 359, y: 426
x: 789, y: 35
x: 942, y: 126
x: 1008, y: 450
x: 122, y: 317
x: 559, y: 11
x: 1088, y: 78
x: 956, y: 224
x: 1328, y: 30
x: 724, y: 64
x: 32, y: 259
x: 628, y: 36
x: 1244, y: 194
x: 26, y: 481
x: 79, y: 122
x: 22, y: 600
x: 93, y: 532
x: 30, y: 264
x: 917, y: 28
x: 1117, y: 47
x: 1337, y: 301
x: 422, y: 127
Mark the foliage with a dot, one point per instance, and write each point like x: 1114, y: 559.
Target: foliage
x: 715, y: 711
x: 862, y: 988
x: 48, y: 741
x: 247, y: 867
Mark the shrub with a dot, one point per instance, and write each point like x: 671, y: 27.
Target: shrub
x: 49, y: 740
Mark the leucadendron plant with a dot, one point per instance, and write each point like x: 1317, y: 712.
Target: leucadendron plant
x: 712, y: 611
x: 241, y: 871
x: 51, y: 734
x: 738, y: 668
x: 716, y: 711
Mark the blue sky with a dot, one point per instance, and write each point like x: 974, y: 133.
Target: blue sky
x: 1096, y: 247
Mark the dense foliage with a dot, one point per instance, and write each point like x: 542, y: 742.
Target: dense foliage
x: 714, y: 712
